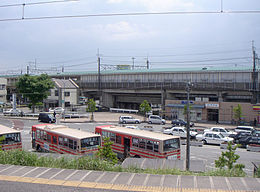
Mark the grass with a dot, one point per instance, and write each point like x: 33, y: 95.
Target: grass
x: 24, y: 158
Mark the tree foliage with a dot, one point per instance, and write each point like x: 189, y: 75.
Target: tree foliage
x: 35, y: 88
x: 91, y: 107
x: 229, y: 158
x: 106, y: 152
x: 238, y: 113
x: 145, y: 107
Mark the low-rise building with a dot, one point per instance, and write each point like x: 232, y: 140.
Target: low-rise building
x: 3, y: 91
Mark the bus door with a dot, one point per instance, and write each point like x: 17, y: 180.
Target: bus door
x: 126, y: 147
x: 33, y: 139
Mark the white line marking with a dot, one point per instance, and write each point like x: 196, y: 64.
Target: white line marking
x: 228, y: 183
x: 30, y: 171
x: 71, y: 175
x: 42, y: 173
x: 85, y: 176
x: 114, y: 179
x: 146, y: 179
x: 7, y: 168
x: 178, y: 184
x: 244, y: 183
x: 100, y: 177
x: 57, y: 174
x: 211, y: 183
x: 16, y: 170
x: 130, y: 179
x: 195, y: 183
x: 162, y: 180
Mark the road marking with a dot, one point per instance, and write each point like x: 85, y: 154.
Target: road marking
x: 30, y: 171
x: 162, y: 180
x: 100, y: 177
x: 130, y: 179
x: 85, y: 175
x: 146, y: 179
x: 7, y: 168
x: 211, y: 182
x: 228, y: 183
x: 244, y: 183
x: 114, y: 179
x: 16, y: 170
x: 42, y: 173
x: 178, y: 183
x: 57, y: 174
x: 195, y: 183
x: 71, y: 174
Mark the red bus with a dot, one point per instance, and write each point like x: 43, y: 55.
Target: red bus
x: 141, y: 143
x: 61, y: 139
x: 11, y: 138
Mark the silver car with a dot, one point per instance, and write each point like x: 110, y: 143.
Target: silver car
x: 128, y: 119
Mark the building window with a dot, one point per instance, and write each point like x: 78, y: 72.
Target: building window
x: 56, y: 93
x: 67, y: 94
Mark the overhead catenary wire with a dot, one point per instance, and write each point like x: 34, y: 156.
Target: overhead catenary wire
x: 133, y: 14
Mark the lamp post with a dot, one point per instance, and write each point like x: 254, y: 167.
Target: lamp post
x: 188, y: 89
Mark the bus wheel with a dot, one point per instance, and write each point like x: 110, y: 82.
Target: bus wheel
x: 137, y: 156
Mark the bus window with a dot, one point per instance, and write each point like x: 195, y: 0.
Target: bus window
x: 89, y: 142
x: 142, y: 143
x: 38, y: 134
x: 44, y: 135
x: 54, y: 139
x: 11, y: 138
x: 118, y: 139
x: 75, y: 145
x: 135, y: 142
x: 155, y: 146
x: 70, y: 143
x: 171, y: 144
x: 41, y: 137
x: 112, y: 137
x: 65, y: 142
x: 49, y: 138
x: 60, y: 140
x: 149, y: 145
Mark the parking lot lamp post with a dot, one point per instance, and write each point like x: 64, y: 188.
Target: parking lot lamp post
x: 188, y: 89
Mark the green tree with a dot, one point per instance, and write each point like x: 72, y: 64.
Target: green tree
x: 145, y: 108
x: 91, y: 107
x: 35, y: 88
x: 106, y: 152
x: 238, y: 113
x: 229, y: 158
x: 1, y: 141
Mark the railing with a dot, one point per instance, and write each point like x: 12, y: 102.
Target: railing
x: 123, y: 110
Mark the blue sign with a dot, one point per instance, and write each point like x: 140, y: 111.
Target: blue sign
x: 185, y: 102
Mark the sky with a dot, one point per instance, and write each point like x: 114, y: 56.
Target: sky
x: 165, y: 40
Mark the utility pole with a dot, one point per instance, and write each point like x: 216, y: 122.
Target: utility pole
x: 147, y: 63
x: 254, y: 76
x: 27, y: 69
x: 188, y: 89
x: 99, y: 75
x: 133, y: 67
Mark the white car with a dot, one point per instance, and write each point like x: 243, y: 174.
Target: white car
x: 128, y: 119
x: 222, y: 130
x: 179, y: 131
x: 212, y: 138
x: 57, y: 110
x: 155, y: 119
x: 13, y: 112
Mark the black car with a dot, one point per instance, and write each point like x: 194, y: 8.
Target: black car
x: 181, y: 122
x: 240, y: 135
x: 47, y: 118
x: 249, y: 140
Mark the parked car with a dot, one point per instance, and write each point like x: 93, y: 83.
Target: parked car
x: 46, y: 117
x: 241, y: 135
x: 222, y: 130
x: 155, y: 119
x: 249, y: 140
x: 128, y: 119
x: 179, y: 131
x: 212, y: 138
x: 57, y: 110
x: 248, y: 129
x: 181, y: 122
x: 14, y: 112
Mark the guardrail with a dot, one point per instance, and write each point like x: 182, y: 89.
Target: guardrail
x: 123, y: 110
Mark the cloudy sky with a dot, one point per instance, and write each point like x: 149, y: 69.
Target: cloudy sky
x: 166, y: 40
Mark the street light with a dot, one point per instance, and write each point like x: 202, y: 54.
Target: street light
x: 188, y: 89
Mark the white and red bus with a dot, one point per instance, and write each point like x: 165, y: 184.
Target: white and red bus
x: 141, y: 143
x: 11, y: 138
x: 61, y: 139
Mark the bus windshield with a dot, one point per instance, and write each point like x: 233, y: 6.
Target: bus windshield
x: 11, y: 138
x: 171, y: 144
x: 90, y: 142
